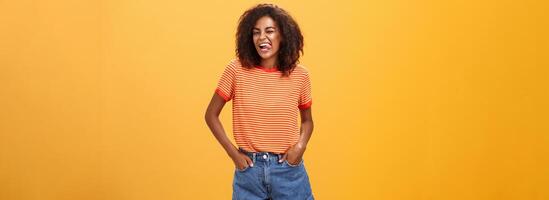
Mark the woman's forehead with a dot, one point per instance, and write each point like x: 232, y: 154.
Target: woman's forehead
x: 265, y: 22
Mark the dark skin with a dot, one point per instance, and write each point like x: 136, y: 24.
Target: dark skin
x: 293, y: 154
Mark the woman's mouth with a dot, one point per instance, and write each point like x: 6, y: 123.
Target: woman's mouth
x: 264, y: 47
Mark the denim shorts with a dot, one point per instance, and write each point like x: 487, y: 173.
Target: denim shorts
x: 269, y: 179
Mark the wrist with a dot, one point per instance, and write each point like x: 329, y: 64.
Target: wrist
x: 301, y: 145
x: 233, y: 152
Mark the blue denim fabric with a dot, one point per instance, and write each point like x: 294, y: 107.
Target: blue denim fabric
x: 269, y: 179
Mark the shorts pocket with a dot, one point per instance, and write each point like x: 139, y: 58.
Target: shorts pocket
x: 242, y: 170
x: 290, y: 165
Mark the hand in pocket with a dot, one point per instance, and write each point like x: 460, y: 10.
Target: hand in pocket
x: 293, y: 155
x: 242, y: 161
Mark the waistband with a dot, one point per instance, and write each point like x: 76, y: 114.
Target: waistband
x: 263, y: 155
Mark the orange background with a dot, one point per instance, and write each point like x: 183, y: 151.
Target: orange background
x: 412, y: 99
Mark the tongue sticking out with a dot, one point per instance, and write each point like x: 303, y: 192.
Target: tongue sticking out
x: 264, y: 46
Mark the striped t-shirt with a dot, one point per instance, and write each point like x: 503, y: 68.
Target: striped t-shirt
x: 265, y: 105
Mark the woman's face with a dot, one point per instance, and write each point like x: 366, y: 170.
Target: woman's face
x: 266, y: 37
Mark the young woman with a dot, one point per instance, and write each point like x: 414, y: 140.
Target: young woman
x: 268, y: 88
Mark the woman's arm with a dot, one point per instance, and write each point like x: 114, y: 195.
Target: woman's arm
x: 212, y: 119
x: 295, y: 152
x: 307, y: 126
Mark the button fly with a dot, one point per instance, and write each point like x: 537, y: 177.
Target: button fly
x: 265, y: 157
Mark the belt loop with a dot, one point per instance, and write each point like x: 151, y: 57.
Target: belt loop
x: 253, y: 157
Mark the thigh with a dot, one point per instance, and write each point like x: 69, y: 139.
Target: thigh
x: 247, y: 184
x: 290, y: 182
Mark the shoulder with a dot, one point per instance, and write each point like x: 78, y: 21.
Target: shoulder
x: 234, y: 64
x: 300, y: 70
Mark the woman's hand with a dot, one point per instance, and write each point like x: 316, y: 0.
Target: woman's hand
x: 294, y: 154
x: 242, y: 161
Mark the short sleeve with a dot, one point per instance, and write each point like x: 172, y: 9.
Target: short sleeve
x: 226, y: 84
x: 305, y: 99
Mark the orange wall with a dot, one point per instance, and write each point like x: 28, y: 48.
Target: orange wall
x: 437, y: 100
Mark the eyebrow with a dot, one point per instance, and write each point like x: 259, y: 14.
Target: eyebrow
x: 255, y: 28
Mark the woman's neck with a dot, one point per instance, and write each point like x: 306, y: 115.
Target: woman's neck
x: 268, y: 63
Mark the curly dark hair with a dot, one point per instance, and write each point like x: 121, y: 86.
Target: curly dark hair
x: 291, y: 45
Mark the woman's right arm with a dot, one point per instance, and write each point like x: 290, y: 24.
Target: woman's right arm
x: 212, y: 119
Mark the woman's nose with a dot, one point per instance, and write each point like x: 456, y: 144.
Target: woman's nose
x: 262, y: 35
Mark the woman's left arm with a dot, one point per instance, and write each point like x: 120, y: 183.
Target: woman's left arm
x: 306, y: 128
x: 295, y: 152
